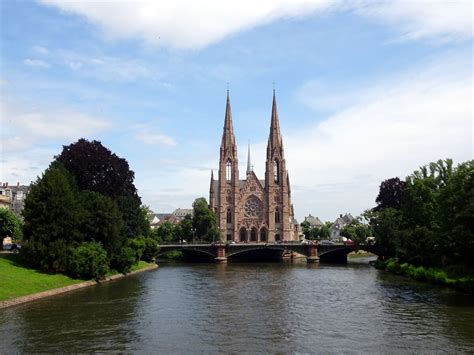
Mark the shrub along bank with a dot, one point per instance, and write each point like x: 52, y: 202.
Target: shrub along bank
x: 450, y: 277
x: 17, y: 279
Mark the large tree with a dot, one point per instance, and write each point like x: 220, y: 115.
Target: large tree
x: 457, y: 215
x: 96, y: 168
x: 101, y: 221
x: 51, y: 218
x: 390, y: 194
x: 204, y: 221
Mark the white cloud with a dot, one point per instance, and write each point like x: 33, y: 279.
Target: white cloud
x: 32, y: 134
x: 182, y: 23
x: 197, y: 24
x: 417, y: 19
x: 40, y: 50
x: 24, y: 124
x: 390, y: 128
x: 155, y: 139
x: 38, y: 63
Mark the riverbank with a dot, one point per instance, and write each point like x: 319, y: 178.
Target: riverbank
x: 21, y: 284
x: 455, y: 280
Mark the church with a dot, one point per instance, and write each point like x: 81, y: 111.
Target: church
x: 253, y: 210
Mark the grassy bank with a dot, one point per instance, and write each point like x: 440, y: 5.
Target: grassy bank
x: 359, y: 254
x: 463, y: 282
x: 17, y: 279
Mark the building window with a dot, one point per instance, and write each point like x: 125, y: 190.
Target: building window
x: 229, y: 216
x: 277, y: 215
x: 263, y: 235
x: 229, y: 237
x: 277, y: 237
x: 253, y: 235
x: 243, y: 235
x: 228, y: 169
x: 276, y: 171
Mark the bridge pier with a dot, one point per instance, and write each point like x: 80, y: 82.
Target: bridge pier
x: 312, y: 254
x: 220, y: 254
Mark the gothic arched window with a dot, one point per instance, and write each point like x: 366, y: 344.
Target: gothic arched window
x: 276, y: 171
x: 277, y: 215
x: 253, y: 234
x: 229, y: 216
x: 228, y: 170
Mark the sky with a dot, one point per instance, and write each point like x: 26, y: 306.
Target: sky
x: 366, y: 90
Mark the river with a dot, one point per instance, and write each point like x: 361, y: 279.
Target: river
x: 243, y: 307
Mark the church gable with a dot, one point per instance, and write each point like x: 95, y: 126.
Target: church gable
x: 252, y: 185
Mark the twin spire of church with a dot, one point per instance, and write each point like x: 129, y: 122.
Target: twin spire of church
x: 228, y: 146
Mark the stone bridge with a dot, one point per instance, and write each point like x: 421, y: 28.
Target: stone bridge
x: 313, y: 252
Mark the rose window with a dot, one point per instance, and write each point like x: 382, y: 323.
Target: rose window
x: 253, y: 207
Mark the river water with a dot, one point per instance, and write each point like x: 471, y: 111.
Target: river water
x: 267, y: 307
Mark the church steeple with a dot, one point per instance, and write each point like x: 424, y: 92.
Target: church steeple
x: 249, y: 164
x: 274, y: 139
x: 275, y: 142
x: 228, y: 146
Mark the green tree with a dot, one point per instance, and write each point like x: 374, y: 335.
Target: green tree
x: 10, y: 224
x: 306, y: 229
x: 184, y: 230
x: 204, y: 221
x: 96, y: 168
x: 165, y: 233
x: 101, y: 220
x: 134, y: 216
x: 51, y: 216
x: 324, y: 232
x: 457, y: 215
x: 390, y: 194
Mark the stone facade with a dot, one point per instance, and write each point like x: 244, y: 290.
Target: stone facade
x: 253, y: 210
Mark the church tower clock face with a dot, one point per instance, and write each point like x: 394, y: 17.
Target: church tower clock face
x: 253, y: 207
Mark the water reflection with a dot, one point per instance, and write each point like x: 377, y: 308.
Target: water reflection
x: 231, y: 308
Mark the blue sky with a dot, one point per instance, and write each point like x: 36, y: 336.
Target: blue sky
x: 366, y: 90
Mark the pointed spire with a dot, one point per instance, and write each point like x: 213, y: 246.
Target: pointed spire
x: 228, y: 139
x: 212, y: 174
x: 249, y: 164
x: 274, y: 139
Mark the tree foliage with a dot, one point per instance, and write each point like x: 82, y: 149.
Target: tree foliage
x: 10, y: 224
x: 96, y: 168
x: 432, y: 224
x: 51, y: 218
x: 390, y: 194
x: 85, y: 199
x: 204, y: 221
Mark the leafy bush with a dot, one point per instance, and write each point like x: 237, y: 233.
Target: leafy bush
x: 123, y: 261
x: 393, y: 266
x: 88, y: 260
x: 150, y: 250
x: 138, y: 246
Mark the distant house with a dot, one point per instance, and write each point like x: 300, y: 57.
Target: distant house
x: 13, y: 197
x: 313, y: 221
x: 339, y: 223
x: 180, y: 213
x: 156, y: 219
